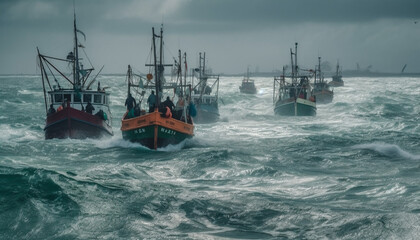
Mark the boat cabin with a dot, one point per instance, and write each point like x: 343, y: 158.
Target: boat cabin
x: 99, y: 100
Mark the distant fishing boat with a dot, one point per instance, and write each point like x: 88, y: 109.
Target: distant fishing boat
x: 76, y: 111
x: 293, y: 97
x: 337, y: 80
x: 321, y: 90
x: 160, y: 126
x: 248, y: 85
x: 205, y: 93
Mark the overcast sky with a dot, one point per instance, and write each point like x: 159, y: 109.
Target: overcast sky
x: 233, y: 33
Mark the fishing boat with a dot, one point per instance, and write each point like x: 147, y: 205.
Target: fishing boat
x: 294, y: 97
x: 159, y: 126
x: 74, y: 110
x: 248, y: 85
x: 321, y: 90
x: 337, y: 80
x: 205, y: 95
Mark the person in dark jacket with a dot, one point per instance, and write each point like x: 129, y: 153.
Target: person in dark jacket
x: 152, y: 102
x: 51, y: 110
x: 89, y: 108
x: 130, y: 102
x: 168, y: 103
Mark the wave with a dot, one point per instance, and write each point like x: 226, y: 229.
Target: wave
x: 8, y: 133
x: 115, y: 141
x: 389, y: 150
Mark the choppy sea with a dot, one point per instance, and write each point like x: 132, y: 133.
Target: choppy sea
x: 351, y: 172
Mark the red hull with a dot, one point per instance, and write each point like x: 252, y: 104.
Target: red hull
x: 72, y: 123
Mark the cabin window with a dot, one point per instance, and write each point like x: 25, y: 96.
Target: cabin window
x: 87, y: 98
x: 58, y: 98
x: 67, y: 97
x: 103, y: 99
x: 97, y: 98
x: 77, y: 97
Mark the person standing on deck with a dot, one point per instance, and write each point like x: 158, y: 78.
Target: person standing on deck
x: 89, y: 108
x: 130, y: 102
x: 168, y: 103
x: 152, y: 101
x: 51, y: 110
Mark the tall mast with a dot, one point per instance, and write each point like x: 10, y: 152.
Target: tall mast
x: 296, y: 66
x: 179, y: 67
x: 199, y: 66
x: 185, y: 72
x: 204, y: 64
x: 157, y: 80
x: 293, y: 65
x: 76, y: 79
x: 319, y: 68
x: 337, y: 68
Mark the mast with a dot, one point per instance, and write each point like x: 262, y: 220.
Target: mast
x: 319, y: 68
x: 179, y: 67
x: 199, y: 66
x: 296, y: 66
x: 157, y: 80
x: 185, y: 72
x: 204, y: 64
x: 76, y: 79
x: 293, y: 65
x: 41, y: 66
x: 337, y: 68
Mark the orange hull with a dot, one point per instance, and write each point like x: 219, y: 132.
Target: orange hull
x: 137, y: 129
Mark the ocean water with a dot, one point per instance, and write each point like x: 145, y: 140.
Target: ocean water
x: 351, y: 172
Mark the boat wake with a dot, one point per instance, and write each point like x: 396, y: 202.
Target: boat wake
x: 389, y: 150
x: 115, y: 142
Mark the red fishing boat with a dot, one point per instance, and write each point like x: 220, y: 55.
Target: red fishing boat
x: 74, y: 110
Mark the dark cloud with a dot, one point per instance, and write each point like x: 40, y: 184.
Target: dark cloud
x: 235, y: 33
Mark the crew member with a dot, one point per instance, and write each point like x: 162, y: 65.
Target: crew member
x: 152, y: 101
x: 130, y: 102
x: 89, y: 108
x: 51, y: 110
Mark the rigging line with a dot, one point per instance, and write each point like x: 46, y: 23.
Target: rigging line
x: 138, y: 71
x: 51, y: 72
x: 59, y: 59
x: 150, y: 58
x: 58, y: 71
x: 43, y: 72
x: 87, y: 57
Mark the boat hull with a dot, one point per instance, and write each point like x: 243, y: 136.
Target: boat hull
x: 154, y: 131
x: 73, y: 123
x: 206, y: 114
x: 248, y: 89
x: 337, y: 81
x: 292, y: 107
x: 324, y: 96
x: 336, y: 84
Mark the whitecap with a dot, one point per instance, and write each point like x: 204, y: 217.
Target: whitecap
x: 114, y: 141
x: 389, y: 150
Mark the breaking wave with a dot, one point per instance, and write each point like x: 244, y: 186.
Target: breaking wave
x: 389, y: 150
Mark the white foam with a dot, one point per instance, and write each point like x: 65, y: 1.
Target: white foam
x: 389, y: 150
x: 115, y: 141
x: 8, y: 133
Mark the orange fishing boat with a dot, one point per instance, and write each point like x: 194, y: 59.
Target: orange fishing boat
x: 161, y: 125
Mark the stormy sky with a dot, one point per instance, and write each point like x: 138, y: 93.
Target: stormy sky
x: 234, y: 34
